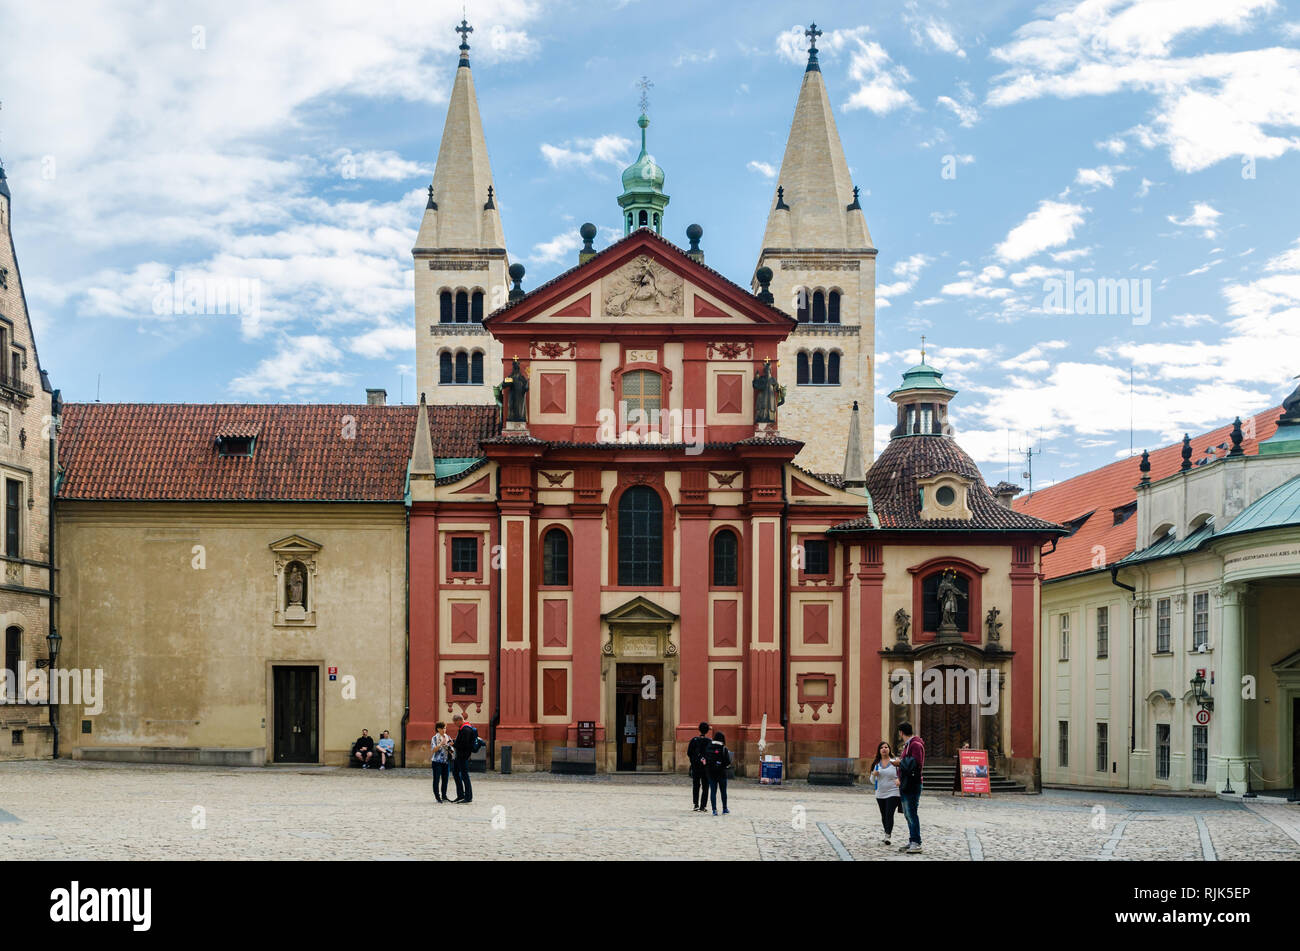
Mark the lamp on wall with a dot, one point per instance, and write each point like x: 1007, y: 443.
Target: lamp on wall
x: 1203, y: 699
x: 54, y: 641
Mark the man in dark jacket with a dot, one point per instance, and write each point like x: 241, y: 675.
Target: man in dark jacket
x: 464, y: 746
x: 363, y: 750
x: 697, y: 757
x: 911, y: 760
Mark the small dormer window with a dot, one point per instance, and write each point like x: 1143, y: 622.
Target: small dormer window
x: 235, y: 446
x: 945, y: 495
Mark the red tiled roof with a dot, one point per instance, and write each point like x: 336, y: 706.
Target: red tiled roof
x: 1111, y: 487
x: 312, y: 452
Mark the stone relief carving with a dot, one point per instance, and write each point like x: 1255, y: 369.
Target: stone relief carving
x: 643, y: 288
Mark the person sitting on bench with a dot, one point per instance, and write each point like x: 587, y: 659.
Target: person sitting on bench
x: 363, y: 750
x: 385, y: 750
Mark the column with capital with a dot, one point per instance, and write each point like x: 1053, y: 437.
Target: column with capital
x: 1229, y: 704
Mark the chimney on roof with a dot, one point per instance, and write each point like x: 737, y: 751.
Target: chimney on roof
x: 376, y: 397
x: 1005, y: 493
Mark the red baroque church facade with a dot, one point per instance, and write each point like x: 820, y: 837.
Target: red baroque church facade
x: 643, y: 572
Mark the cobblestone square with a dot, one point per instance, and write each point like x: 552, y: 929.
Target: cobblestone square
x: 94, y: 811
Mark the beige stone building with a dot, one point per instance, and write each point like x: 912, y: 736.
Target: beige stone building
x: 28, y: 407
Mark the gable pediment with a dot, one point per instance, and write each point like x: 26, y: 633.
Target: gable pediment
x: 640, y: 610
x: 292, y: 545
x: 640, y: 279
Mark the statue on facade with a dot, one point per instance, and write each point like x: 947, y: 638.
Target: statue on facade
x: 902, y: 621
x: 949, y: 596
x: 993, y: 627
x: 767, y: 395
x: 515, y: 394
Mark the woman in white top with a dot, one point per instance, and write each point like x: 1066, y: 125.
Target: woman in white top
x: 884, y: 773
x: 440, y: 752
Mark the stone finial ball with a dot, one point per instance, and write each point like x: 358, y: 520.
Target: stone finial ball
x: 764, y: 275
x: 516, y: 272
x: 694, y: 233
x: 588, y: 231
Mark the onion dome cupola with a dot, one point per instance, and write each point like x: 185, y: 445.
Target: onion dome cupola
x: 922, y: 402
x: 643, y: 200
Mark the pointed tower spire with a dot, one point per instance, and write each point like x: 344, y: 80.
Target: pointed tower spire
x: 460, y: 256
x: 854, y: 470
x: 422, y: 458
x: 643, y: 200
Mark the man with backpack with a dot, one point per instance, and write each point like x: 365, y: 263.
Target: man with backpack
x: 697, y: 751
x: 719, y: 760
x: 911, y: 762
x: 466, y: 743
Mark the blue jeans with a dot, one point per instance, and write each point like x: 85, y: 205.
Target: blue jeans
x: 440, y: 772
x: 460, y: 773
x: 716, y: 783
x: 910, y: 800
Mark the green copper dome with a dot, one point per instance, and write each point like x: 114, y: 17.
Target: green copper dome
x: 643, y: 200
x: 923, y: 377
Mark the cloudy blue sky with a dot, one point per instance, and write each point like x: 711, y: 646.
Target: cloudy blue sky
x: 999, y: 146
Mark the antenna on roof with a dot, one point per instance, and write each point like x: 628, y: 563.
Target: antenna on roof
x: 1130, y: 411
x: 98, y: 377
x: 1029, y: 454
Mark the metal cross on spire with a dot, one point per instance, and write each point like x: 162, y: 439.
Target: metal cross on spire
x: 464, y: 30
x: 812, y: 33
x: 645, y: 86
x: 922, y: 348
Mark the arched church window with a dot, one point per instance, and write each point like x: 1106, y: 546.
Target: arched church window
x: 476, y: 367
x: 801, y: 302
x: 642, y: 390
x: 936, y: 592
x: 555, y: 558
x: 476, y: 308
x: 444, y: 367
x: 644, y: 219
x: 725, y: 562
x: 833, y: 368
x: 801, y: 368
x: 819, y: 308
x: 13, y: 651
x: 444, y: 307
x: 819, y: 367
x: 462, y: 307
x: 640, y: 538
x: 833, y: 307
x: 462, y: 367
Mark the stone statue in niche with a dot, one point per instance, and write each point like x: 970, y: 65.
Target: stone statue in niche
x: 902, y: 621
x: 949, y: 596
x: 768, y: 395
x: 993, y: 626
x: 644, y: 288
x: 295, y: 592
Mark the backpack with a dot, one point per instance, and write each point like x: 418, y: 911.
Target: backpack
x: 479, y: 742
x: 909, y: 773
x: 719, y: 756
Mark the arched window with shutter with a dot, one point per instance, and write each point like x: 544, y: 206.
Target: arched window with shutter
x: 819, y: 308
x: 462, y: 367
x: 819, y: 367
x: 476, y: 308
x: 801, y: 376
x: 444, y: 367
x: 444, y: 307
x: 462, y: 307
x: 833, y: 368
x: 555, y: 558
x: 726, y: 564
x: 476, y: 367
x: 833, y: 308
x: 801, y: 303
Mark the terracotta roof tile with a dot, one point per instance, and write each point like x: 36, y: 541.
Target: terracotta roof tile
x: 1099, y: 540
x: 313, y: 452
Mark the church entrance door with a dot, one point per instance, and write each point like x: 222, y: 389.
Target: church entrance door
x: 944, y: 728
x: 639, y: 716
x: 296, y: 715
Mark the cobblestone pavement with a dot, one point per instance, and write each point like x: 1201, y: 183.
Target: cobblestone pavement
x: 67, y: 810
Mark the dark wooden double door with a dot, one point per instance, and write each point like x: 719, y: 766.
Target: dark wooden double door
x: 945, y: 727
x: 638, y: 716
x: 296, y: 707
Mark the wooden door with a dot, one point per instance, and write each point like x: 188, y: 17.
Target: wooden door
x: 944, y: 728
x: 296, y: 710
x: 650, y: 718
x: 626, y: 728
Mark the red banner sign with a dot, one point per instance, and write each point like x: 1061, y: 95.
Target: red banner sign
x: 973, y: 767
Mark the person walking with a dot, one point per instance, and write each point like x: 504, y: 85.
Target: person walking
x: 463, y: 744
x: 697, y: 756
x: 884, y: 773
x: 719, y: 759
x: 910, y: 764
x: 440, y: 753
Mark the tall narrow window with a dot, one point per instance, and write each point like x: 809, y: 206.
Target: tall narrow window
x: 555, y: 558
x: 1200, y: 754
x: 801, y: 303
x: 13, y: 653
x: 476, y: 308
x: 462, y: 307
x: 801, y: 374
x: 16, y: 365
x: 819, y: 367
x: 833, y: 368
x: 1162, y: 626
x: 462, y: 367
x: 640, y: 537
x: 445, y: 315
x: 476, y: 367
x: 444, y: 367
x: 833, y: 307
x: 819, y: 308
x: 1103, y: 747
x: 643, y: 220
x: 13, y: 494
x: 1103, y: 632
x: 1200, y: 620
x: 1065, y: 637
x: 1063, y: 743
x: 725, y: 549
x: 642, y: 390
x: 1162, y: 751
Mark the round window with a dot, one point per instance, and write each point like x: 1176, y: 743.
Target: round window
x: 945, y: 495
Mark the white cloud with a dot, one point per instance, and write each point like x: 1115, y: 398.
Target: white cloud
x: 1103, y: 176
x: 298, y: 367
x: 1191, y: 320
x: 766, y: 169
x: 880, y: 82
x: 967, y: 115
x: 1051, y: 224
x: 1203, y: 216
x: 606, y: 149
x: 931, y: 31
x: 695, y: 56
x: 1061, y: 257
x: 560, y: 248
x: 908, y: 270
x: 1114, y: 145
